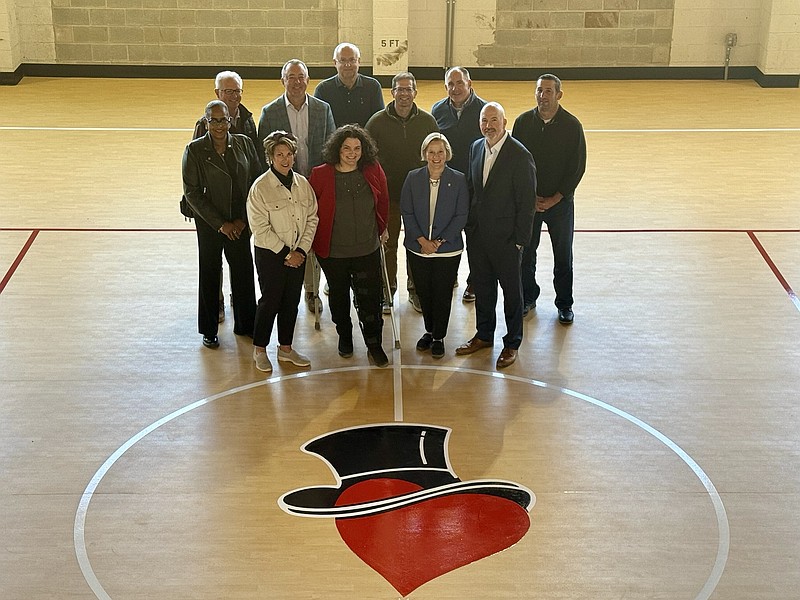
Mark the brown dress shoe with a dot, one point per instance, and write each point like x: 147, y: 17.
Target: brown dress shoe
x: 469, y: 295
x: 507, y: 358
x: 471, y: 346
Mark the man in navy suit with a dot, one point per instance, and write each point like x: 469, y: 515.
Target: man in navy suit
x: 310, y: 120
x: 502, y: 183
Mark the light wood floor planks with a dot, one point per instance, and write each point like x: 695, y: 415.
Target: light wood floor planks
x: 660, y: 433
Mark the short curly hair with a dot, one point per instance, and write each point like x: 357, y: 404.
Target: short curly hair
x: 333, y: 145
x: 277, y: 138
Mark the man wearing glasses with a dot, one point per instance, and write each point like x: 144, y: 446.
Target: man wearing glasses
x: 228, y: 88
x: 353, y: 97
x: 399, y: 131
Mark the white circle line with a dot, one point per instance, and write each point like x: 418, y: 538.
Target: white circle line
x: 79, y: 538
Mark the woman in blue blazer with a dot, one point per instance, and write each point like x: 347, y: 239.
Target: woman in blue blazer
x: 434, y: 204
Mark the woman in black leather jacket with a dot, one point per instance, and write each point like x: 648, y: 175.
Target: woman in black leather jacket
x: 218, y: 170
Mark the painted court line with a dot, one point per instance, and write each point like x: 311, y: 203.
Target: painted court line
x: 17, y: 261
x: 723, y: 526
x: 775, y: 270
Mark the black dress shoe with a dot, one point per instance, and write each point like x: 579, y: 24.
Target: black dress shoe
x: 425, y: 342
x: 528, y: 308
x: 210, y: 341
x: 345, y: 347
x: 565, y: 316
x: 378, y: 356
x: 469, y: 295
x: 437, y: 348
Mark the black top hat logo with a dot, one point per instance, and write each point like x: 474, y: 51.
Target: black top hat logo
x: 410, y: 452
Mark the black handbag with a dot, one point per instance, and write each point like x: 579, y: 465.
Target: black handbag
x: 186, y: 210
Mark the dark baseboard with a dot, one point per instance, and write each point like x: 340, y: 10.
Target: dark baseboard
x: 12, y: 78
x: 421, y: 73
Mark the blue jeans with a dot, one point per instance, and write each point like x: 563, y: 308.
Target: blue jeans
x: 560, y: 221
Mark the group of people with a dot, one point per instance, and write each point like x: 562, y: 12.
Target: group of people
x: 326, y: 181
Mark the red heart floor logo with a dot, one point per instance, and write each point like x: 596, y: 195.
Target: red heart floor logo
x: 402, y: 509
x: 412, y: 545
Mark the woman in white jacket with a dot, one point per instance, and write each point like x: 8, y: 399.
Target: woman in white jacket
x: 282, y: 212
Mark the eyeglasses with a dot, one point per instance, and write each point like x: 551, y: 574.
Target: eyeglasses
x: 232, y: 92
x: 218, y: 122
x: 403, y: 90
x: 351, y: 62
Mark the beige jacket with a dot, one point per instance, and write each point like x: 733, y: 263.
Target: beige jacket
x: 281, y: 218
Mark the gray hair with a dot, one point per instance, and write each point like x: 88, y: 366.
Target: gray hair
x: 227, y: 75
x: 344, y: 45
x: 462, y: 70
x: 432, y: 137
x: 294, y: 61
x: 217, y: 104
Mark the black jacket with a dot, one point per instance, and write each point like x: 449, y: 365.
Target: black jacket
x: 207, y: 184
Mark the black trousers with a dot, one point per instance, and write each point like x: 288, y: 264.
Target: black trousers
x: 490, y: 264
x: 434, y: 279
x: 362, y: 274
x: 390, y: 249
x: 280, y: 295
x: 211, y: 245
x: 560, y: 220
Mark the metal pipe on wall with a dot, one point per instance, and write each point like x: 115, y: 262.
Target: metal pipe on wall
x: 450, y: 21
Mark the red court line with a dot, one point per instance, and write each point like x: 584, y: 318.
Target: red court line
x: 775, y: 270
x: 97, y: 229
x: 173, y: 230
x: 18, y: 260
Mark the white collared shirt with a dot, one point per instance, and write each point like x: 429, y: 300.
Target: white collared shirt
x: 298, y: 121
x: 490, y: 155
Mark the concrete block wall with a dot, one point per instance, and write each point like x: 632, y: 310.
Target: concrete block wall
x: 779, y: 48
x: 569, y: 33
x: 10, y: 47
x: 501, y: 33
x: 700, y: 29
x: 195, y: 32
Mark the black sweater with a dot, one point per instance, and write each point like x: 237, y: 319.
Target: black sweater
x: 558, y: 148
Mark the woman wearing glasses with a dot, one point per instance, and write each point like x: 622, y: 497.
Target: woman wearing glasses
x: 218, y: 170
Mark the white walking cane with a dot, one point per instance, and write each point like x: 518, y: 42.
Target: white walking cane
x: 395, y: 328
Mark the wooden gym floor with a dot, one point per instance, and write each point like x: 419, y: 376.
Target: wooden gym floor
x: 659, y: 435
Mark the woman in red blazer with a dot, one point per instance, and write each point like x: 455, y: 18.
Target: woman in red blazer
x: 353, y: 210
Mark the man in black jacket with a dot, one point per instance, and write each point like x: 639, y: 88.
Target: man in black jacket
x: 501, y: 179
x: 555, y: 139
x: 228, y: 88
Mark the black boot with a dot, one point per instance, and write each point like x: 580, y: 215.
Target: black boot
x: 377, y: 355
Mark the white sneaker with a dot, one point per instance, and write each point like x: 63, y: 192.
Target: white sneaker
x: 293, y: 357
x: 262, y: 361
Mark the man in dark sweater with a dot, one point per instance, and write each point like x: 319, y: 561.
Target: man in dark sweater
x: 555, y: 139
x: 353, y: 97
x: 399, y: 131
